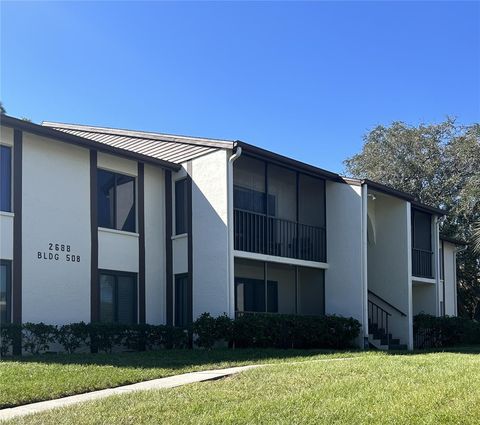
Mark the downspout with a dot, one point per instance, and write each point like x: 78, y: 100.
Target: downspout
x: 231, y: 278
x: 364, y: 252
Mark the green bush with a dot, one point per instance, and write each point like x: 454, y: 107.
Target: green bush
x: 37, y: 337
x: 276, y: 330
x: 209, y: 330
x: 10, y: 334
x: 448, y: 331
x: 105, y: 336
x: 73, y: 336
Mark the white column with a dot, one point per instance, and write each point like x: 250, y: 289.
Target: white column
x: 409, y: 283
x: 365, y: 261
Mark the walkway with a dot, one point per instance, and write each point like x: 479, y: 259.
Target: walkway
x: 154, y: 384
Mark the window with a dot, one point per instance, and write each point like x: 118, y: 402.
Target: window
x: 181, y: 300
x: 250, y: 295
x: 5, y: 291
x: 118, y: 297
x: 5, y: 178
x: 181, y: 202
x: 116, y: 201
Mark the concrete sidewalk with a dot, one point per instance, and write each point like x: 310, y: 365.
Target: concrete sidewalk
x: 154, y: 384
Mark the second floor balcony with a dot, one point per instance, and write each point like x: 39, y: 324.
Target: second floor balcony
x: 260, y: 234
x: 422, y: 254
x: 278, y: 211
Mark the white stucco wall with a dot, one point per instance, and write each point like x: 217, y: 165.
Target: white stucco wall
x: 388, y: 260
x: 117, y: 250
x: 343, y: 279
x: 56, y: 210
x: 450, y: 280
x: 210, y: 235
x: 155, y: 285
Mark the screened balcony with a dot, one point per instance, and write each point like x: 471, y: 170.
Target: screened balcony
x: 278, y: 211
x: 422, y: 254
x: 270, y: 288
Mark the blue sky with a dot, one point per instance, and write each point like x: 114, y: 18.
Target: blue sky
x: 307, y: 80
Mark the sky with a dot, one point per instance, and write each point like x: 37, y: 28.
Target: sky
x: 304, y: 79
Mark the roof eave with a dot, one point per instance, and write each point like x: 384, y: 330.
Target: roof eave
x: 51, y: 133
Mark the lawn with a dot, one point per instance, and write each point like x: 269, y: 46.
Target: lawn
x: 51, y: 376
x: 369, y: 388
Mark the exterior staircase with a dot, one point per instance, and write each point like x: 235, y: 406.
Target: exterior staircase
x: 379, y: 336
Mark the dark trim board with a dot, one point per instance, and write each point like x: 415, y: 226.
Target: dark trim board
x: 141, y: 243
x: 94, y: 284
x: 17, y: 233
x: 168, y: 246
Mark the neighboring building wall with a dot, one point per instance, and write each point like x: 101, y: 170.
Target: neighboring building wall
x: 388, y: 260
x: 210, y: 235
x: 450, y: 279
x: 343, y: 278
x: 56, y: 210
x: 155, y: 284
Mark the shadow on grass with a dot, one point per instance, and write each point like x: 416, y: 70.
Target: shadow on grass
x: 173, y: 359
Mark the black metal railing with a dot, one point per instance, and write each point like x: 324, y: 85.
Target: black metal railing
x: 379, y: 317
x: 258, y: 233
x: 422, y: 263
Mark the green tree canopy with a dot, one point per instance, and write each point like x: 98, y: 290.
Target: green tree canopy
x: 440, y: 165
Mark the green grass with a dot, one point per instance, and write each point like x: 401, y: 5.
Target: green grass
x: 370, y: 388
x: 52, y: 376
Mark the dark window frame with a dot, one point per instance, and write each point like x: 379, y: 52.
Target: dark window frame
x: 115, y: 274
x: 178, y: 277
x: 8, y: 207
x: 8, y: 291
x: 270, y: 305
x: 181, y: 214
x: 116, y: 176
x: 414, y: 231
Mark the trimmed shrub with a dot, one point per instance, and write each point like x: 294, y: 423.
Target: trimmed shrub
x: 37, y: 337
x: 73, y: 336
x: 277, y: 331
x: 209, y: 330
x: 448, y: 331
x: 10, y: 333
x: 104, y: 336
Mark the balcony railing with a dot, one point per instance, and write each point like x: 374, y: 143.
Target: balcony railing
x: 260, y: 234
x: 422, y: 263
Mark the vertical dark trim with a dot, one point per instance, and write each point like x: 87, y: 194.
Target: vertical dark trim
x: 168, y: 247
x: 94, y: 283
x: 296, y: 289
x: 141, y: 243
x: 190, y: 241
x: 267, y: 227
x: 17, y: 235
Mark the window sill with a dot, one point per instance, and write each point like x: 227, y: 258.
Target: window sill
x: 182, y: 236
x: 118, y: 232
x: 7, y: 214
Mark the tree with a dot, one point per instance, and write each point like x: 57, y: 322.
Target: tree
x: 2, y: 109
x: 439, y: 164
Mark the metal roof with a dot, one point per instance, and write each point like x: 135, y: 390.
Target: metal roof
x: 167, y: 147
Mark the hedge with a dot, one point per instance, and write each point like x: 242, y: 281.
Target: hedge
x: 277, y: 331
x: 259, y: 330
x: 448, y: 331
x: 38, y: 338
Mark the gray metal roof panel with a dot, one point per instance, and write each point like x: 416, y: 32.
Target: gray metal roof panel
x: 177, y: 151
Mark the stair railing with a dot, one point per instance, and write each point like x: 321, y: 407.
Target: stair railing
x: 379, y: 317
